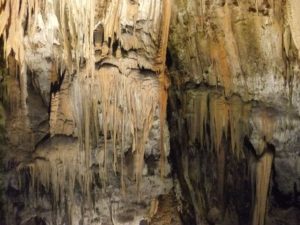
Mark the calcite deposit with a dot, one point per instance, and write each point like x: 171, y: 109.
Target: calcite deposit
x: 135, y: 112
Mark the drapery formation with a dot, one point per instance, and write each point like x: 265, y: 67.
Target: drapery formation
x: 103, y: 76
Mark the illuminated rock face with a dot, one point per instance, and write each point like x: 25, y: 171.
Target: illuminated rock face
x: 85, y: 102
x: 83, y: 112
x: 234, y: 101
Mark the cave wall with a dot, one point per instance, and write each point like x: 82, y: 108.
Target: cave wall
x: 234, y: 104
x: 84, y: 92
x: 83, y: 114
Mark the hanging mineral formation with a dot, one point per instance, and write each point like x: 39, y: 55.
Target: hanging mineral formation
x: 113, y: 99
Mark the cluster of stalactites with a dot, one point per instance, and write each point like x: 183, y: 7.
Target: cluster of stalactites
x: 120, y: 108
x: 57, y: 170
x: 226, y: 118
x: 12, y: 18
x: 122, y: 24
x: 213, y: 119
x: 72, y: 26
x: 76, y: 19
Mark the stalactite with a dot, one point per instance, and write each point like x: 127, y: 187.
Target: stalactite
x: 220, y: 58
x: 163, y: 77
x: 12, y: 18
x: 17, y: 11
x: 293, y: 19
x: 219, y: 126
x: 223, y: 116
x: 120, y: 97
x: 54, y: 111
x: 56, y: 170
x: 261, y: 184
x: 123, y: 134
x: 127, y: 97
x: 219, y: 120
x: 199, y: 114
x: 119, y: 107
x: 287, y: 39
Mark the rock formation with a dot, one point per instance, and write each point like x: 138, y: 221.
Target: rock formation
x: 139, y: 112
x: 234, y: 103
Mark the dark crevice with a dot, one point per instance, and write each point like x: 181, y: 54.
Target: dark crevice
x: 284, y: 200
x: 56, y: 85
x: 99, y: 35
x: 115, y: 47
x: 188, y: 215
x: 169, y: 60
x: 43, y: 140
